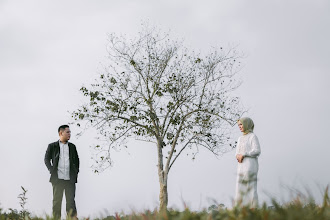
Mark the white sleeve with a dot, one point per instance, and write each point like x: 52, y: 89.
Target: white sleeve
x: 237, y: 145
x: 255, y: 148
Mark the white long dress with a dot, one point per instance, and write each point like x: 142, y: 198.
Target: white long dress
x: 247, y: 171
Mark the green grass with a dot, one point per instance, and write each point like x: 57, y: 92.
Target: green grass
x: 299, y: 208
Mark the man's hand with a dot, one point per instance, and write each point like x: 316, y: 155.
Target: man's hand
x: 239, y: 158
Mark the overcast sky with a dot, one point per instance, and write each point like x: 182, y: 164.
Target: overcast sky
x: 49, y: 49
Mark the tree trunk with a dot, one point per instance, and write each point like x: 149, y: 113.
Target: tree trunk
x: 163, y: 197
x: 162, y: 174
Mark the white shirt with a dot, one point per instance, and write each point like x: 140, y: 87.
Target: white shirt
x: 247, y: 171
x: 248, y: 145
x: 63, y: 169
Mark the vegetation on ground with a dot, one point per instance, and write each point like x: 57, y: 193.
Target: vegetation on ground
x: 300, y: 208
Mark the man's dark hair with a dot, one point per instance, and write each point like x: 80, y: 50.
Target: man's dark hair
x: 62, y: 128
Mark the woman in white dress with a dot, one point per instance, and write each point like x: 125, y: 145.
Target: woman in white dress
x: 247, y: 152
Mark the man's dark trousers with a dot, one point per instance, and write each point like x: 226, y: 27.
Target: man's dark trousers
x: 70, y: 189
x: 59, y: 185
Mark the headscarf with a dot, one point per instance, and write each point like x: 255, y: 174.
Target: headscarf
x: 248, y: 124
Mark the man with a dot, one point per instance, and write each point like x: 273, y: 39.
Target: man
x: 62, y: 161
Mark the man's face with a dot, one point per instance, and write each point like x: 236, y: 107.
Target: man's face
x: 65, y: 134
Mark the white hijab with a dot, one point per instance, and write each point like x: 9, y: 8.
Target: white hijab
x: 248, y: 124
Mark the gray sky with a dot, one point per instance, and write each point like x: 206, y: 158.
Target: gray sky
x: 49, y: 49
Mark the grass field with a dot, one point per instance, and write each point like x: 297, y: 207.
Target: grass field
x: 297, y: 209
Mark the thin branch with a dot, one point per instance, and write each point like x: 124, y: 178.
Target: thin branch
x: 176, y: 156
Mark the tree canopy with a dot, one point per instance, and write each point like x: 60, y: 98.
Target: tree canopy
x: 155, y: 89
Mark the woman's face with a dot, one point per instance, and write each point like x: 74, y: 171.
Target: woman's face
x: 240, y: 125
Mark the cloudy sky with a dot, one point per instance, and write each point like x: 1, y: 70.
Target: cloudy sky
x: 49, y: 49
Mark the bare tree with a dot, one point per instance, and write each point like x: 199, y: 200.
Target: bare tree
x: 154, y: 89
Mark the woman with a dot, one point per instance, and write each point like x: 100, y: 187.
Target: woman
x: 247, y: 152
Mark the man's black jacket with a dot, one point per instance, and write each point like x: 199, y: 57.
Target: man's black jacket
x: 52, y: 157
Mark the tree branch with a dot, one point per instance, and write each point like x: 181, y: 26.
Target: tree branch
x: 180, y: 152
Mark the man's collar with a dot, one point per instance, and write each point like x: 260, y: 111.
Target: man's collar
x: 60, y: 142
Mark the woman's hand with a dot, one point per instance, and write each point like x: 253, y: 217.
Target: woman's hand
x: 239, y: 158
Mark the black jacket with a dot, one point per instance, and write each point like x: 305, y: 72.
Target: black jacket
x: 52, y: 157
